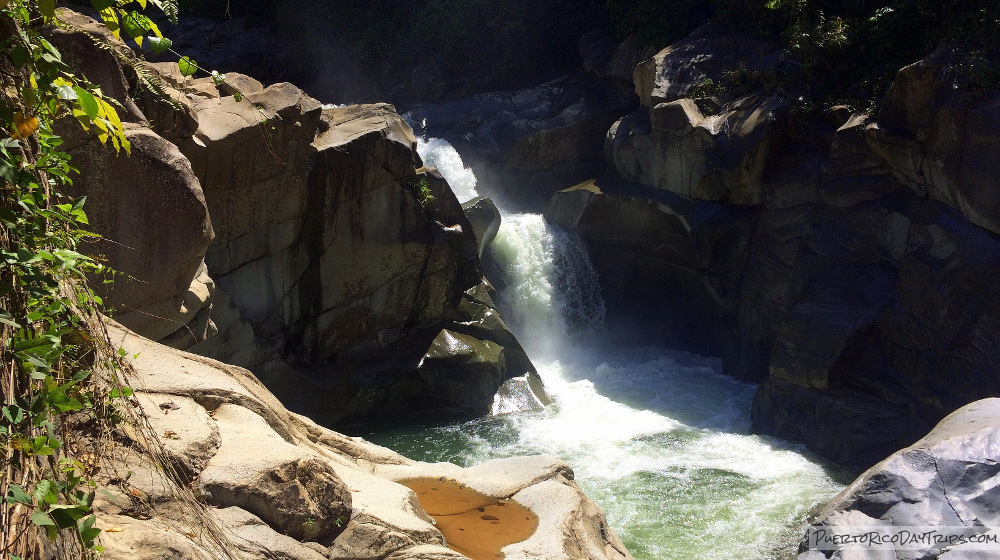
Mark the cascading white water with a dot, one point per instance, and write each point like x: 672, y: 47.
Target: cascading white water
x: 660, y: 439
x: 552, y: 287
x: 439, y: 153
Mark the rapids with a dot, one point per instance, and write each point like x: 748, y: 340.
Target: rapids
x: 660, y: 439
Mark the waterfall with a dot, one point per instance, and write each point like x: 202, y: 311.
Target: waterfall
x: 441, y: 154
x: 659, y: 438
x: 553, y: 292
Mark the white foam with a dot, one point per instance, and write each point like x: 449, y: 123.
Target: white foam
x: 439, y: 153
x: 552, y: 291
x: 660, y: 439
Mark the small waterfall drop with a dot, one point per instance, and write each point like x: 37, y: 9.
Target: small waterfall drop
x: 439, y: 153
x: 660, y: 439
x: 553, y: 292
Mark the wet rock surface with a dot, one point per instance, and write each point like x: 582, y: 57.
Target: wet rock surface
x: 946, y: 481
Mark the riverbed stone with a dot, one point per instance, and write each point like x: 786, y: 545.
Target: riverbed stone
x: 481, y: 365
x: 946, y: 480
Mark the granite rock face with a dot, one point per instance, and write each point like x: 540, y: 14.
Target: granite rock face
x: 314, y: 494
x: 939, y: 144
x: 342, y: 254
x: 707, y: 53
x: 852, y: 272
x: 307, y: 243
x: 151, y: 213
x: 658, y: 285
x: 946, y: 482
x: 721, y: 158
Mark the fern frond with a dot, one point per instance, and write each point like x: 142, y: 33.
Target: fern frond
x: 168, y: 7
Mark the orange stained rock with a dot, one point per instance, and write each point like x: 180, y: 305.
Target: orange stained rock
x: 474, y: 524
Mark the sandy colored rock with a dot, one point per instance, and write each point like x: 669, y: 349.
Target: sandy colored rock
x: 276, y: 478
x: 720, y: 158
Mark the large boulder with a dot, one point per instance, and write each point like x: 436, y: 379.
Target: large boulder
x: 338, y: 255
x: 333, y: 246
x: 940, y: 144
x: 944, y: 484
x: 151, y: 213
x: 148, y: 206
x: 290, y: 489
x: 721, y: 158
x: 707, y: 53
x: 313, y: 494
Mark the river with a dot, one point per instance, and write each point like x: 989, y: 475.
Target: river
x: 660, y: 439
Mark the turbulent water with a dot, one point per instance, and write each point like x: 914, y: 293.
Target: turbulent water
x: 659, y: 438
x: 440, y: 154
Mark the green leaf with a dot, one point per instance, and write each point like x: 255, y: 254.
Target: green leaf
x: 125, y: 392
x: 66, y: 93
x: 45, y: 491
x: 42, y: 519
x: 8, y: 319
x: 20, y: 56
x: 13, y: 414
x: 238, y: 96
x: 7, y: 172
x: 17, y: 495
x: 88, y: 103
x: 66, y: 515
x: 159, y: 44
x: 136, y: 26
x: 187, y: 66
x: 48, y: 8
x: 110, y: 18
x: 88, y: 535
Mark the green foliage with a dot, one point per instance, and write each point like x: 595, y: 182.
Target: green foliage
x: 49, y: 353
x: 422, y: 189
x: 849, y: 52
x: 187, y: 66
